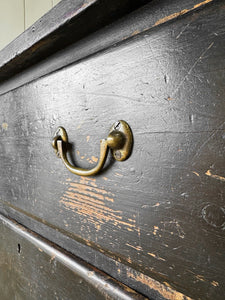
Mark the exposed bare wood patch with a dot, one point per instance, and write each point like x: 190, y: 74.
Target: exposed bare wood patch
x: 200, y: 277
x: 156, y: 256
x: 163, y: 290
x: 138, y: 248
x: 135, y: 32
x: 157, y: 204
x: 197, y: 174
x: 208, y: 173
x: 215, y: 283
x: 52, y: 258
x: 5, y: 126
x: 118, y: 175
x: 180, y: 13
x: 86, y: 199
x: 156, y: 228
x: 93, y: 158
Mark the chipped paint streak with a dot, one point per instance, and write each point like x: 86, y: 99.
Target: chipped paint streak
x: 82, y: 198
x: 90, y: 161
x: 200, y: 277
x: 135, y: 32
x: 118, y: 175
x: 138, y: 248
x: 215, y: 283
x: 109, y: 199
x: 89, y: 189
x: 88, y: 181
x: 156, y: 205
x: 81, y: 201
x: 128, y: 259
x: 163, y: 290
x: 94, y: 214
x: 166, y: 19
x: 90, y: 201
x: 196, y: 173
x: 84, y: 191
x: 52, y: 258
x: 208, y: 173
x: 131, y: 220
x: 167, y: 284
x: 156, y: 256
x: 91, y: 273
x: 180, y: 13
x: 5, y: 126
x: 93, y: 158
x: 156, y: 228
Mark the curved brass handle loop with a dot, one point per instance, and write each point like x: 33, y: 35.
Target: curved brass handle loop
x: 119, y: 140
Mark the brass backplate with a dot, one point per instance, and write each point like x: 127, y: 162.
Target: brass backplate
x: 125, y: 151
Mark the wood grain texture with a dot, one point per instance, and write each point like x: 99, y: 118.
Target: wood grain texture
x: 159, y: 214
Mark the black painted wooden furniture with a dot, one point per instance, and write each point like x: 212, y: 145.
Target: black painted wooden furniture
x: 151, y: 226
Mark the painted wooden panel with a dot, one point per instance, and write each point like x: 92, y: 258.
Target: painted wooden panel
x: 32, y: 268
x: 11, y: 20
x: 35, y: 9
x: 161, y: 212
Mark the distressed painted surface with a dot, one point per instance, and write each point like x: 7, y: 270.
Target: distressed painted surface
x: 33, y: 268
x: 161, y: 212
x: 89, y: 201
x: 24, y: 50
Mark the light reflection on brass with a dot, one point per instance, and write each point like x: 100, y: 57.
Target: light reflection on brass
x: 119, y: 140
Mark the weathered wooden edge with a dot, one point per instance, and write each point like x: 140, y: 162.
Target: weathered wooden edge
x: 102, y: 282
x: 66, y: 23
x: 142, y: 284
x: 148, y: 17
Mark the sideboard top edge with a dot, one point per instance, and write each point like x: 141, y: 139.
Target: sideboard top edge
x: 64, y: 24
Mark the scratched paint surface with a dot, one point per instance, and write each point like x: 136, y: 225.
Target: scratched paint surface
x: 162, y: 211
x: 31, y: 268
x: 87, y: 200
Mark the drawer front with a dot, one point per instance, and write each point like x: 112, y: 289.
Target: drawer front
x: 160, y: 214
x: 33, y: 268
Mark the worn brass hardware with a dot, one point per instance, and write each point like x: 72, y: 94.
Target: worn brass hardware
x: 119, y: 140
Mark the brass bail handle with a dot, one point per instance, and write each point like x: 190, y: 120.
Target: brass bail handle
x: 119, y: 140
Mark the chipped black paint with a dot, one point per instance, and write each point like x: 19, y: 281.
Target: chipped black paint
x: 160, y: 214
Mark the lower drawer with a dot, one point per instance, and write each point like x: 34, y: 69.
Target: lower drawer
x: 32, y: 268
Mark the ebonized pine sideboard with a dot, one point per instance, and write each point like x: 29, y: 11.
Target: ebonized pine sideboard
x: 151, y: 226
